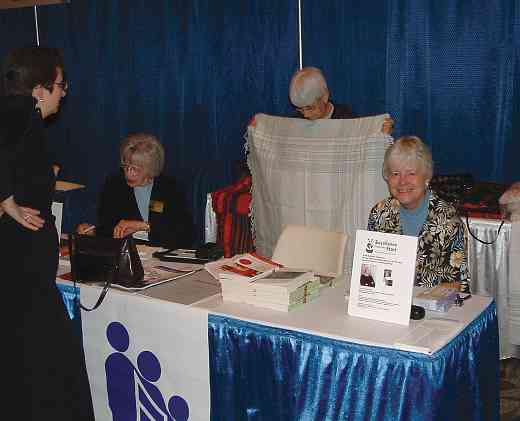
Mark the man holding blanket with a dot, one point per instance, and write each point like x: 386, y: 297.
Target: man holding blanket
x: 310, y: 95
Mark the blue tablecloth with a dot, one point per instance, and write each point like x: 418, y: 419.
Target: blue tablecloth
x: 70, y: 296
x: 264, y: 373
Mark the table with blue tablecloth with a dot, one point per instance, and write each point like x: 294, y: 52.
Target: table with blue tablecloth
x: 317, y: 363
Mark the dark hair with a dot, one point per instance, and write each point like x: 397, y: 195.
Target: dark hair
x: 25, y: 68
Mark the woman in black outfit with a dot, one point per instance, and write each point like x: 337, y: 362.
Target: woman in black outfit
x: 47, y: 375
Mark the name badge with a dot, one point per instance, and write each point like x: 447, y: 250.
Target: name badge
x: 156, y: 206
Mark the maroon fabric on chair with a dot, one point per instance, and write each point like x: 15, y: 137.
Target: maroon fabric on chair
x: 231, y: 206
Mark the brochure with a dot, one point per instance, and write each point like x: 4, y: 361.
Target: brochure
x: 383, y: 273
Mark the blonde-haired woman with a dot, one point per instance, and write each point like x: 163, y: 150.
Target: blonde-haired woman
x: 140, y: 201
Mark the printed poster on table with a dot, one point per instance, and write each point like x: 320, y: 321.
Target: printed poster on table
x: 383, y: 275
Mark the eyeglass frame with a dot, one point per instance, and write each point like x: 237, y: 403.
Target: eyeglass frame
x: 310, y: 107
x: 63, y: 85
x: 131, y: 167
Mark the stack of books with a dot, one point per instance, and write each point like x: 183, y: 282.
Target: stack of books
x: 284, y: 290
x: 258, y: 281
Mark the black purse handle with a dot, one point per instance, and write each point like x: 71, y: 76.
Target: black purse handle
x: 106, y: 287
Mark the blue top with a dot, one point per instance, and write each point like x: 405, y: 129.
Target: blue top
x: 142, y: 195
x: 412, y: 220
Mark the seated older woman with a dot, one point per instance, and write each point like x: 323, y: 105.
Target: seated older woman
x: 413, y: 209
x: 140, y: 201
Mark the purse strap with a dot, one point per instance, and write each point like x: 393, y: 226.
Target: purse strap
x: 106, y: 287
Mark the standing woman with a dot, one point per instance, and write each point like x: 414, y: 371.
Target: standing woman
x: 49, y: 376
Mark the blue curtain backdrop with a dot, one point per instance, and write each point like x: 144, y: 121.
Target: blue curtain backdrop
x: 446, y: 71
x: 17, y: 29
x: 450, y: 76
x: 193, y: 72
x: 347, y: 40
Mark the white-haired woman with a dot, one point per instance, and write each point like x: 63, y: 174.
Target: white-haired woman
x: 413, y: 209
x: 140, y: 201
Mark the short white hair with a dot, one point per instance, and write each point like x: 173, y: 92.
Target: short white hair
x: 143, y: 149
x: 307, y: 85
x: 409, y: 149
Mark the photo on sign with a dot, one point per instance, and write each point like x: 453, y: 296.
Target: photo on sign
x: 367, y: 275
x: 387, y: 277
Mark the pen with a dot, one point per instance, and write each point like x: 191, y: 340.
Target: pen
x: 91, y: 228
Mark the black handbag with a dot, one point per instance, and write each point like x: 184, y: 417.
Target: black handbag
x: 104, y: 259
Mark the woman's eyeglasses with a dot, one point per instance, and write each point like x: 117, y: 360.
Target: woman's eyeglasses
x: 131, y: 168
x: 64, y: 85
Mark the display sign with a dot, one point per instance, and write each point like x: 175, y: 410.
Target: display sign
x: 11, y: 4
x: 383, y: 275
x: 147, y: 359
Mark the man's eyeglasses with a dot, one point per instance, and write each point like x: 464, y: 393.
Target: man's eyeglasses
x: 306, y: 109
x: 309, y: 108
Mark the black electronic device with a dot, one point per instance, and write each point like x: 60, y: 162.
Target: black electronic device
x: 204, y: 254
x: 417, y: 312
x: 210, y: 251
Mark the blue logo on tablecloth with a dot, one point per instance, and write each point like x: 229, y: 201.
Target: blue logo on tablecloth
x: 132, y: 394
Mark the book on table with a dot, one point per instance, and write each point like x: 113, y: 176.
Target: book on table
x: 246, y: 267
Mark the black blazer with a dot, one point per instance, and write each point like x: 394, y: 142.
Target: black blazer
x: 170, y: 221
x: 342, y: 111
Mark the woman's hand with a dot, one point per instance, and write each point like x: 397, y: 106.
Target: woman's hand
x: 388, y: 126
x: 126, y: 227
x: 27, y: 217
x: 86, y: 229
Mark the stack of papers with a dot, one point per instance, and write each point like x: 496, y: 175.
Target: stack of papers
x: 255, y: 280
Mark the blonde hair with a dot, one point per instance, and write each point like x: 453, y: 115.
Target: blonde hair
x: 145, y: 150
x: 409, y: 149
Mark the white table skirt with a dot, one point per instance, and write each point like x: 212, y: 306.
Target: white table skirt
x: 490, y: 267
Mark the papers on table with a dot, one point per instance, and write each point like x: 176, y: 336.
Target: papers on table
x: 244, y: 267
x: 156, y: 273
x: 429, y: 335
x: 383, y: 275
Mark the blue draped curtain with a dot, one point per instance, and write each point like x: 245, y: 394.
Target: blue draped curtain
x: 446, y: 71
x: 194, y: 71
x: 450, y: 76
x: 347, y: 40
x: 17, y: 29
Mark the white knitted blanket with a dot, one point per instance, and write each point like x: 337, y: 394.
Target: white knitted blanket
x: 325, y: 173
